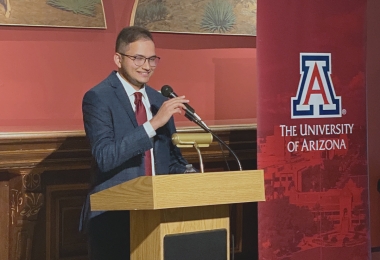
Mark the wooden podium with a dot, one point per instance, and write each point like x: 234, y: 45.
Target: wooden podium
x: 164, y: 205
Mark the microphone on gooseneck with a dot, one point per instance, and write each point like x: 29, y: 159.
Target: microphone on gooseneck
x: 190, y: 114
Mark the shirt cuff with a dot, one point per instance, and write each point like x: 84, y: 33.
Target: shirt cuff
x: 149, y: 129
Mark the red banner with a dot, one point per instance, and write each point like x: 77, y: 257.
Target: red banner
x: 312, y: 129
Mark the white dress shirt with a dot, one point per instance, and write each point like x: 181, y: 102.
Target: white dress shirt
x: 147, y: 125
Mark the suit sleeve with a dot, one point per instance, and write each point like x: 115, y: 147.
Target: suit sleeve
x: 108, y: 152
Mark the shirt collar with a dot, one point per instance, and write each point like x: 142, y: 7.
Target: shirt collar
x: 128, y: 87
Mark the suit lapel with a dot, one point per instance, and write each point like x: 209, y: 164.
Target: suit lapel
x: 122, y: 97
x: 153, y: 100
x: 120, y: 93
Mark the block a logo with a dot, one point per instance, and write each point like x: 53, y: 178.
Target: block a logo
x: 316, y: 96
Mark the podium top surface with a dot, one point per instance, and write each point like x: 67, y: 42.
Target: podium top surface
x: 182, y: 190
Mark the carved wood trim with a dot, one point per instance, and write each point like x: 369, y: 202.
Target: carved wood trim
x: 25, y: 202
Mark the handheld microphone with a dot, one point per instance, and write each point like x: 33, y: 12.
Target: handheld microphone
x: 190, y: 114
x: 167, y: 91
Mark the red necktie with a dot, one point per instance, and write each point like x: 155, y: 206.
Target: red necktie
x: 141, y: 119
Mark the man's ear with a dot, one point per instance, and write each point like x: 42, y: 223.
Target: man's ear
x: 117, y: 59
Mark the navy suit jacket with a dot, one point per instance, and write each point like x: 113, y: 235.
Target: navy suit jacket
x: 118, y: 143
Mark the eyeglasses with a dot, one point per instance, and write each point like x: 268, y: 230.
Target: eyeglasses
x: 140, y: 60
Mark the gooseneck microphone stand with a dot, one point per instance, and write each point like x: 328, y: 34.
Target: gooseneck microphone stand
x: 207, y: 129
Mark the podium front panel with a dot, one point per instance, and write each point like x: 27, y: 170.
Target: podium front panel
x: 149, y: 227
x: 202, y: 245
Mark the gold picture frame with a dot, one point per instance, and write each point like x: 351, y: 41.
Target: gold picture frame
x: 230, y: 17
x: 53, y: 13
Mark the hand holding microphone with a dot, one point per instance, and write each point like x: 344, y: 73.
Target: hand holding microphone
x: 167, y: 110
x: 167, y: 91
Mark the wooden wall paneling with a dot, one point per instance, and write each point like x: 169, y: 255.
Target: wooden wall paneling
x: 5, y: 217
x: 55, y: 167
x: 63, y: 208
x: 44, y: 150
x: 236, y: 227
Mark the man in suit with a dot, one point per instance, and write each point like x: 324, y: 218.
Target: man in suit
x: 129, y: 126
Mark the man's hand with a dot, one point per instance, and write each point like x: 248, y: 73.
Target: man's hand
x: 167, y: 110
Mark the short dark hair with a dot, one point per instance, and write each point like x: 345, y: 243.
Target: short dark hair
x: 131, y: 34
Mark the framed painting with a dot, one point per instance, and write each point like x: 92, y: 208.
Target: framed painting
x: 53, y: 13
x: 233, y: 17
